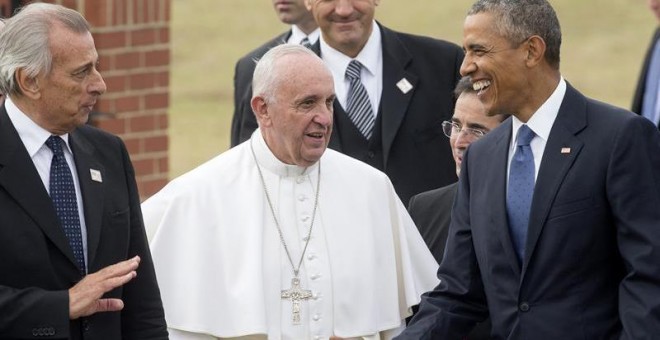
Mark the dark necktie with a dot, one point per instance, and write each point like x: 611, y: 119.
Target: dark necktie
x: 359, y: 106
x: 63, y: 195
x: 305, y: 42
x: 521, y: 190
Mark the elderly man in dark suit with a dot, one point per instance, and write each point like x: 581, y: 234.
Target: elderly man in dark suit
x: 431, y: 210
x: 646, y: 101
x: 76, y: 263
x: 304, y: 30
x: 555, y: 231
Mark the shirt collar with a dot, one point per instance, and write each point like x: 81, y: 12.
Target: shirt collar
x: 370, y: 55
x: 542, y: 120
x: 267, y: 159
x: 297, y: 35
x: 32, y: 135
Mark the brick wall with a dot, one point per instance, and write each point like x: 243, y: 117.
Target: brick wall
x: 133, y: 41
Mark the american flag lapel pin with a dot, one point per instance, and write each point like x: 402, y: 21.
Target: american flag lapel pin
x: 565, y: 150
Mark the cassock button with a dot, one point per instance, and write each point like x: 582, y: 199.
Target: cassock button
x: 300, y: 180
x: 315, y: 276
x: 316, y: 295
x: 524, y: 307
x: 302, y: 198
x: 316, y: 317
x: 317, y: 337
x: 304, y: 218
x: 311, y: 257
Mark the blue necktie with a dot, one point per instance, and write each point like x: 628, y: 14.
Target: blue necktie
x: 521, y: 189
x: 650, y: 105
x: 359, y: 106
x: 63, y: 195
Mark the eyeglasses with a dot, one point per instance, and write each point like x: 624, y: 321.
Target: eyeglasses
x: 452, y: 128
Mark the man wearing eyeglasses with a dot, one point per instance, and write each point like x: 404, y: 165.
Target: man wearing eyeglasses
x: 431, y: 210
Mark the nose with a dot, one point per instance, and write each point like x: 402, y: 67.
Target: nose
x: 468, y: 66
x: 462, y: 140
x: 323, y: 117
x: 97, y: 85
x: 344, y: 7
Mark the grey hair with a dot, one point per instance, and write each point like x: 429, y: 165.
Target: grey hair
x: 517, y: 20
x: 25, y: 41
x: 266, y: 76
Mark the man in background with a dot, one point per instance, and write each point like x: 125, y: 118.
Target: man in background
x: 75, y: 259
x: 280, y: 238
x: 394, y: 90
x: 303, y: 31
x: 555, y: 229
x: 647, y: 95
x: 431, y: 210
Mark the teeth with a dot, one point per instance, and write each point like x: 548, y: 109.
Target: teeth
x: 480, y: 85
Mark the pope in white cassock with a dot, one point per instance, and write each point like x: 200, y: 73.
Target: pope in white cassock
x: 279, y: 238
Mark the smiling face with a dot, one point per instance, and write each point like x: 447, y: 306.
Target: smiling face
x: 345, y: 24
x: 67, y: 94
x: 297, y: 122
x: 497, y: 66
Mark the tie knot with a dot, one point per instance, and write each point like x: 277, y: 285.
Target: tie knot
x: 55, y: 144
x: 353, y: 70
x: 305, y: 42
x: 525, y: 135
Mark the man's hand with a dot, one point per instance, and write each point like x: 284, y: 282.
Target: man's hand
x: 85, y: 296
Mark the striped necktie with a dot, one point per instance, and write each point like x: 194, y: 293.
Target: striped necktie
x: 359, y: 106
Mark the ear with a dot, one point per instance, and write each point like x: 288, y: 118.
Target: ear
x: 308, y: 5
x: 376, y: 2
x: 535, y: 46
x: 29, y: 86
x: 260, y: 109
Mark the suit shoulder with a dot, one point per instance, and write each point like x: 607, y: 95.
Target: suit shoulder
x: 98, y: 136
x: 435, y: 194
x: 424, y: 42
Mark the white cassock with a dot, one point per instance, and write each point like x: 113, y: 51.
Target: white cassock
x: 221, y: 265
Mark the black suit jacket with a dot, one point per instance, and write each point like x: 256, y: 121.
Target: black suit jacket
x: 408, y: 143
x: 37, y: 264
x: 638, y: 98
x: 590, y: 270
x: 244, y: 122
x: 431, y: 212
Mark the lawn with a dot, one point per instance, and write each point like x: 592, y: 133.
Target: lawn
x: 603, y: 46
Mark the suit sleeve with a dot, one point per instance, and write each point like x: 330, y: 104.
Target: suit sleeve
x: 28, y: 313
x: 633, y: 190
x: 142, y: 316
x: 453, y: 307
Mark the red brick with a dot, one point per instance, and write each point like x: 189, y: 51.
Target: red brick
x: 149, y: 187
x: 163, y: 121
x: 113, y: 125
x: 164, y: 35
x: 127, y: 60
x: 146, y: 36
x: 141, y: 81
x: 119, y: 12
x: 157, y: 58
x: 141, y: 124
x: 163, y: 165
x: 96, y: 13
x: 127, y: 104
x: 156, y: 101
x: 167, y: 9
x: 69, y: 3
x: 105, y: 105
x: 144, y: 167
x: 115, y: 84
x: 158, y: 143
x: 139, y: 12
x: 106, y: 63
x: 133, y: 146
x: 109, y: 40
x: 162, y: 79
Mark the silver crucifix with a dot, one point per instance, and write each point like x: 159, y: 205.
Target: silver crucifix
x: 296, y: 295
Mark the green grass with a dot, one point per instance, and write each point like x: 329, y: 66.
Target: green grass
x: 603, y: 46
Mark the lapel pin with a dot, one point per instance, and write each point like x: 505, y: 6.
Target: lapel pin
x: 96, y: 175
x: 566, y: 150
x: 404, y: 85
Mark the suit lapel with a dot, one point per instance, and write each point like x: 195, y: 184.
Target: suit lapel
x: 560, y: 152
x: 394, y: 100
x: 499, y: 152
x: 20, y: 179
x: 91, y: 188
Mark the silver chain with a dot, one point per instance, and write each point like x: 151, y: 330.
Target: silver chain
x: 296, y: 270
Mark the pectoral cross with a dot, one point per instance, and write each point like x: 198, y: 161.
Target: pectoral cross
x: 296, y: 295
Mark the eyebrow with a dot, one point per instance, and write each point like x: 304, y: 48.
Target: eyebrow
x: 470, y: 125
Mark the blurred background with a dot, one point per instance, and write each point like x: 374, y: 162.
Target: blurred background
x: 603, y: 46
